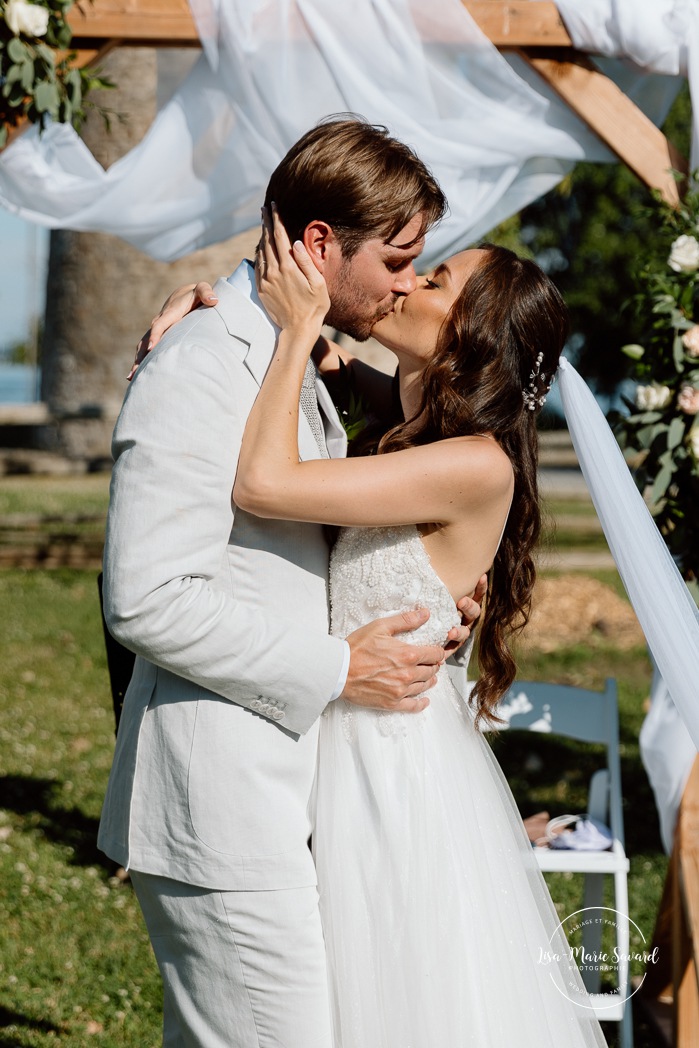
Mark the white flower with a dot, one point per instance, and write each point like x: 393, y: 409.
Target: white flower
x: 29, y: 19
x: 690, y: 341
x: 684, y: 255
x: 650, y: 398
x: 688, y: 400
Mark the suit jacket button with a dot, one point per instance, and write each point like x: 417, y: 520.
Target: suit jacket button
x: 278, y: 715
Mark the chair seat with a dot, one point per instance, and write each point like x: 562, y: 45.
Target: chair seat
x: 552, y: 860
x: 607, y: 1006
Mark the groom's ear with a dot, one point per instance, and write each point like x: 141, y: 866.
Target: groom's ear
x: 321, y: 244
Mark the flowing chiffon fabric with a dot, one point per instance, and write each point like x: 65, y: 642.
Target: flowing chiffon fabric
x: 439, y: 928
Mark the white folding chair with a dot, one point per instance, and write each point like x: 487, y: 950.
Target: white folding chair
x: 588, y: 716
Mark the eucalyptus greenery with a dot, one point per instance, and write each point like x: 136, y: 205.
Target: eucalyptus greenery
x: 662, y: 430
x: 38, y: 80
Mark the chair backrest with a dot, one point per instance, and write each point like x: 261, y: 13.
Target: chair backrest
x: 557, y: 709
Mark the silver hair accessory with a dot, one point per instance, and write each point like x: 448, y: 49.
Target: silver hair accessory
x: 535, y: 393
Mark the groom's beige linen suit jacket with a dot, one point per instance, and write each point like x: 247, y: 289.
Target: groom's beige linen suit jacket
x: 228, y: 615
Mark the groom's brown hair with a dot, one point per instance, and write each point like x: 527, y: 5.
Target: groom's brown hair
x: 357, y: 178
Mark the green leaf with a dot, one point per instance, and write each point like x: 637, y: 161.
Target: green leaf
x: 74, y: 88
x: 14, y: 93
x: 17, y: 50
x: 666, y: 303
x: 46, y: 54
x: 63, y: 36
x: 678, y: 352
x: 14, y: 74
x: 647, y: 434
x: 661, y: 483
x: 27, y: 76
x: 46, y: 97
x: 675, y: 433
x: 633, y: 350
x: 647, y: 417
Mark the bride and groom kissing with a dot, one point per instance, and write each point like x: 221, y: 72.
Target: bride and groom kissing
x: 247, y: 726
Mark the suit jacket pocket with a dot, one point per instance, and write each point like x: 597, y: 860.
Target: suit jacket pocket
x: 248, y: 782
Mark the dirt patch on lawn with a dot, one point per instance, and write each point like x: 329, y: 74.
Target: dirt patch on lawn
x: 573, y: 609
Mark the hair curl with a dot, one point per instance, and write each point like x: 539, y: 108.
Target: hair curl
x: 507, y: 313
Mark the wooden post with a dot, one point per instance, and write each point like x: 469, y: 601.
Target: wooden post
x: 686, y: 918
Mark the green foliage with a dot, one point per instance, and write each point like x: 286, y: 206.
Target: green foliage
x: 36, y: 82
x: 589, y: 234
x: 662, y: 430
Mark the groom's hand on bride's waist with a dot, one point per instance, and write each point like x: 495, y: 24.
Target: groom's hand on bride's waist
x: 385, y: 673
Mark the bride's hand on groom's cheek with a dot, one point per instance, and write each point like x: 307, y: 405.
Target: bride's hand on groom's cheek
x: 470, y: 608
x: 181, y: 302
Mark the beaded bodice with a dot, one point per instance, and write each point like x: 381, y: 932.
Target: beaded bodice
x: 381, y: 571
x: 376, y: 572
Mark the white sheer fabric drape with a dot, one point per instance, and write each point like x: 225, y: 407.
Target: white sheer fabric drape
x: 665, y: 609
x: 656, y: 35
x: 493, y: 133
x: 668, y: 753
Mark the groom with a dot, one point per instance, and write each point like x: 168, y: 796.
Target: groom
x: 207, y: 802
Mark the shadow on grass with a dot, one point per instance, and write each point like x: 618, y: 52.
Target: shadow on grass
x: 67, y: 826
x: 12, y: 1018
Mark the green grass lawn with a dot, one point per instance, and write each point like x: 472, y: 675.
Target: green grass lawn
x: 75, y: 963
x: 54, y: 496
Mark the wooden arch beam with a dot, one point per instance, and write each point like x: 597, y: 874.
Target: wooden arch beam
x: 517, y: 23
x: 534, y: 29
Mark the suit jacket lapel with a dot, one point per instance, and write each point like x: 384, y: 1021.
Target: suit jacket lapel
x: 252, y: 333
x: 336, y: 438
x: 253, y: 341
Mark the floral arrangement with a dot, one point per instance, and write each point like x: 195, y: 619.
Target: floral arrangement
x: 662, y: 430
x: 36, y: 82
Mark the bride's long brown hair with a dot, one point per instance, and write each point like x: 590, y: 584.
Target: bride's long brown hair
x: 507, y: 314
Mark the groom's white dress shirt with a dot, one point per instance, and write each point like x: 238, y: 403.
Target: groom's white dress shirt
x: 227, y: 613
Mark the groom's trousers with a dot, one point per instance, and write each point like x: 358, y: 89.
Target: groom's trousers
x: 241, y: 969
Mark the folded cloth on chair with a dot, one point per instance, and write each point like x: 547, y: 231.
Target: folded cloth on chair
x: 588, y: 834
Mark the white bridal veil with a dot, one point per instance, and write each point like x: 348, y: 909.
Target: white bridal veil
x: 667, y: 614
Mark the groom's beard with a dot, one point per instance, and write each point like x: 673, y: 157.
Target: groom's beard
x: 351, y: 311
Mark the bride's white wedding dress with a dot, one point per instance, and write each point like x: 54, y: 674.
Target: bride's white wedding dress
x: 438, y: 923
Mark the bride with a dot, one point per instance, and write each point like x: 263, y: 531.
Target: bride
x: 439, y: 928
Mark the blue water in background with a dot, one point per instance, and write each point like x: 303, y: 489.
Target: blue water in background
x: 19, y: 383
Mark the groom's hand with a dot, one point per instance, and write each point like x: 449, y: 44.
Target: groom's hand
x: 386, y: 673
